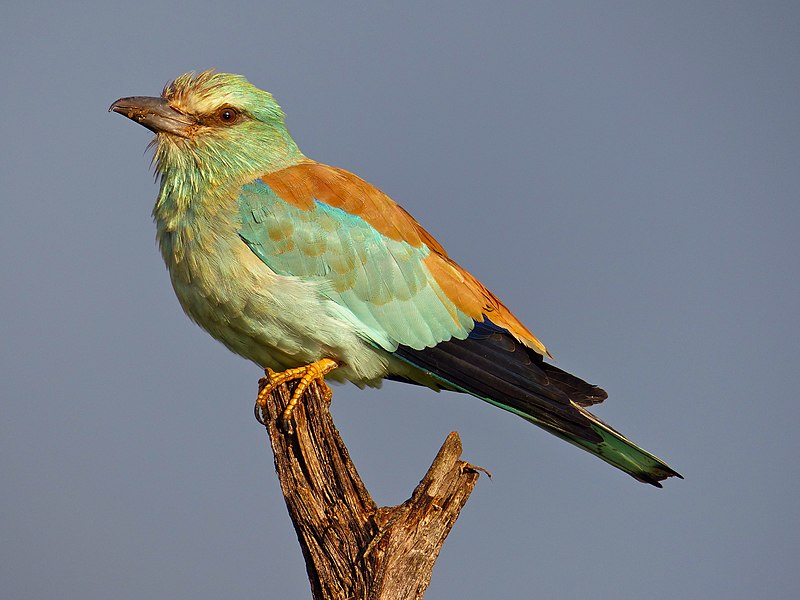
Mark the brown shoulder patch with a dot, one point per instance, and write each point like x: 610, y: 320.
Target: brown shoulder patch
x: 301, y: 184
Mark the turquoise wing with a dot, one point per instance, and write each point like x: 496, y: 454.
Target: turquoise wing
x: 382, y: 282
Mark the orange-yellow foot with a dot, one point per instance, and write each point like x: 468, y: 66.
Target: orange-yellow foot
x: 305, y: 374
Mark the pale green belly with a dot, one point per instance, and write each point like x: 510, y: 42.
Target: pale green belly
x: 272, y: 320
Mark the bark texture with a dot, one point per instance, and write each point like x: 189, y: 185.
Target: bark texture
x: 354, y: 549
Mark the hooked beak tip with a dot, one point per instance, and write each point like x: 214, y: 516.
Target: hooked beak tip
x: 154, y: 113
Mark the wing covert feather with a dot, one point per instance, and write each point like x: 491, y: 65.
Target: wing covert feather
x: 313, y: 220
x: 383, y: 282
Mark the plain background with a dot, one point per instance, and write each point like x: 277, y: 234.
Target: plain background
x: 624, y: 175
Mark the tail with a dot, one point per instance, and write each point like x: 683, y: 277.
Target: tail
x: 617, y: 450
x: 493, y: 366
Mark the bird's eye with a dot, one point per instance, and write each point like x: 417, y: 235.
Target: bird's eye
x: 228, y: 115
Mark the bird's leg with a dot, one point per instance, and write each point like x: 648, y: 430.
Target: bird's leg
x: 306, y: 374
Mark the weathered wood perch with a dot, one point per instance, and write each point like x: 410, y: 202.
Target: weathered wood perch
x: 353, y: 549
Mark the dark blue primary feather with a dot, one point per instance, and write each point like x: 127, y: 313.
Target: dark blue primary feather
x: 495, y: 367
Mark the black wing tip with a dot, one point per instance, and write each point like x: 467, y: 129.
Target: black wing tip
x: 579, y: 391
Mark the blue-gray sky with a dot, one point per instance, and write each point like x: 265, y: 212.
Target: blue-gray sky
x: 623, y: 174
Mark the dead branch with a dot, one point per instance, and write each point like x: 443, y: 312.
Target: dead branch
x: 352, y: 548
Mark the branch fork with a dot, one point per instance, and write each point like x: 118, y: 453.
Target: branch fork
x: 354, y: 549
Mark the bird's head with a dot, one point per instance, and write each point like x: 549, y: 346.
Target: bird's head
x: 216, y: 125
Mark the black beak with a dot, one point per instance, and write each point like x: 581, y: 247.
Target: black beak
x: 154, y: 113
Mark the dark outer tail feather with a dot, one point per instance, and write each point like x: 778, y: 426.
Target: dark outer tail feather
x: 493, y: 366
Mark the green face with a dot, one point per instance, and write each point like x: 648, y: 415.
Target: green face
x: 216, y: 124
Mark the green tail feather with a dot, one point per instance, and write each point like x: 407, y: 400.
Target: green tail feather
x: 616, y: 450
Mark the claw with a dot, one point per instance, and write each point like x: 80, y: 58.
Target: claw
x: 305, y: 375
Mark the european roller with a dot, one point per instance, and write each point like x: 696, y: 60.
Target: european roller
x: 309, y: 271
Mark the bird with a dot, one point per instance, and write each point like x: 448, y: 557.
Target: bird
x: 312, y: 272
